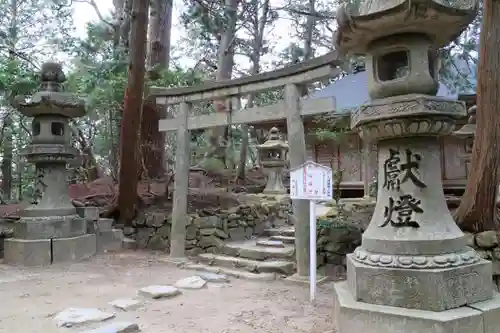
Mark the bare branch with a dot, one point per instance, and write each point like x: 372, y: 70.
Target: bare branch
x: 98, y: 12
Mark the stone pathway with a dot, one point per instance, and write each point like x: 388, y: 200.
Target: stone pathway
x: 111, y: 283
x: 80, y: 317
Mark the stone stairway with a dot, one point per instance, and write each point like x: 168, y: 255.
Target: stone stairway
x: 263, y: 258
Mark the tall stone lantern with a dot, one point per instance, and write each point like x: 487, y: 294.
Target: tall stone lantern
x: 413, y: 271
x: 50, y: 230
x: 273, y: 158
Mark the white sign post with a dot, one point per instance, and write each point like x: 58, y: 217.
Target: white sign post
x: 311, y: 181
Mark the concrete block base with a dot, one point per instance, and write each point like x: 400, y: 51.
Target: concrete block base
x: 27, y: 252
x: 353, y: 316
x: 74, y: 248
x: 109, y: 240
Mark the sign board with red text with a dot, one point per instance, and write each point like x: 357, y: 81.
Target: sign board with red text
x: 311, y: 181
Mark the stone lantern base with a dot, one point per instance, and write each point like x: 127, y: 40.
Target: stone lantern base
x: 55, y: 239
x: 354, y: 316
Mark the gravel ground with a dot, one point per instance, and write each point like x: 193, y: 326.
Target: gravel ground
x: 31, y: 297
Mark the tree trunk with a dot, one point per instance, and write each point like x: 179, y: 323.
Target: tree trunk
x: 225, y: 62
x: 310, y: 25
x: 259, y: 26
x: 152, y: 140
x: 477, y: 208
x: 129, y: 168
x: 7, y: 160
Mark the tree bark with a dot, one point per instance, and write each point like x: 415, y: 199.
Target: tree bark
x: 477, y: 209
x: 152, y: 140
x: 7, y: 160
x: 130, y: 125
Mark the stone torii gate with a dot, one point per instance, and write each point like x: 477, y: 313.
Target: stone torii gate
x: 292, y: 108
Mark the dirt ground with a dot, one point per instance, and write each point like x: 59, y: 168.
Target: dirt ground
x: 31, y: 297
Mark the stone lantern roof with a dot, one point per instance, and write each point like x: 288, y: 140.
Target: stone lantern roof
x: 274, y: 141
x: 440, y: 20
x: 50, y: 99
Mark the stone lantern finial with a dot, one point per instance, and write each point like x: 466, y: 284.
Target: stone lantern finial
x: 52, y: 77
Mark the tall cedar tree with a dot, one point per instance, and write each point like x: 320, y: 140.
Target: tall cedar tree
x: 130, y: 124
x: 152, y: 140
x: 477, y: 209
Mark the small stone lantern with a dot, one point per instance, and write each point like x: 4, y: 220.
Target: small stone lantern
x: 50, y: 230
x: 414, y: 260
x: 273, y: 158
x: 467, y: 132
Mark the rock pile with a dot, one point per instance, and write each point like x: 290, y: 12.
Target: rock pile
x: 487, y: 246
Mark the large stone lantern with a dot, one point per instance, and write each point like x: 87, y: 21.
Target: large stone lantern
x: 414, y: 260
x: 50, y: 230
x: 273, y: 158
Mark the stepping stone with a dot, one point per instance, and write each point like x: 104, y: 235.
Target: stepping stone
x: 118, y: 327
x: 156, y: 291
x: 126, y: 304
x: 192, y: 282
x: 271, y: 243
x: 213, y: 277
x: 78, y: 316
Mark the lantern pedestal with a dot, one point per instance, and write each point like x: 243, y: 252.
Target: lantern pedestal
x: 356, y: 316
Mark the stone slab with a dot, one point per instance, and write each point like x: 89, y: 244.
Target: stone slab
x: 126, y: 304
x: 79, y: 316
x: 304, y: 280
x: 354, y: 316
x: 236, y: 273
x: 271, y: 243
x: 73, y: 248
x: 50, y: 227
x: 284, y: 239
x: 435, y: 289
x: 129, y: 243
x: 158, y: 291
x: 213, y: 277
x: 269, y: 266
x: 491, y: 313
x: 109, y: 240
x: 117, y: 327
x: 89, y: 213
x: 250, y: 250
x: 105, y: 224
x: 27, y: 252
x: 192, y: 282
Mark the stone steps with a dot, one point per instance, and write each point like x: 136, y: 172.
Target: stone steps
x: 284, y: 239
x: 236, y: 273
x: 254, y: 266
x: 287, y: 232
x: 250, y: 250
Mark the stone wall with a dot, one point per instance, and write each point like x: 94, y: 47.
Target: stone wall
x: 209, y: 229
x: 487, y: 245
x: 339, y: 231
